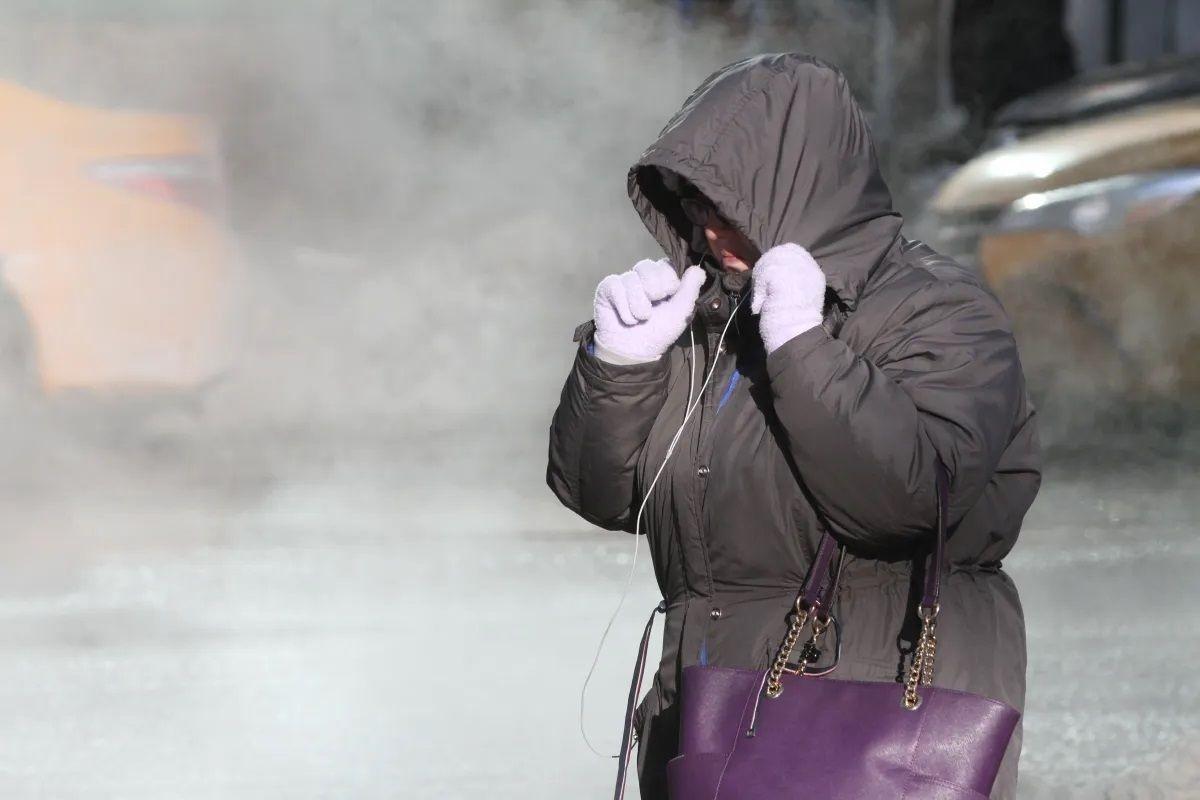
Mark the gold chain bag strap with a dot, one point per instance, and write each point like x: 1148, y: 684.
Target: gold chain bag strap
x: 820, y: 589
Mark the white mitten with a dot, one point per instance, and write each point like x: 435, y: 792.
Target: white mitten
x: 789, y: 291
x: 640, y: 312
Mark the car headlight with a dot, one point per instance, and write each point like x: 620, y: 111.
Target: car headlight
x: 1100, y: 206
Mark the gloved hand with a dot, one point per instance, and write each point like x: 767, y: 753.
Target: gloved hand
x: 789, y: 290
x: 640, y: 312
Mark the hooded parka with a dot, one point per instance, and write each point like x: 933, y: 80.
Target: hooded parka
x: 838, y: 427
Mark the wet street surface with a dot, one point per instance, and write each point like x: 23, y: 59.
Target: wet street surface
x: 407, y: 619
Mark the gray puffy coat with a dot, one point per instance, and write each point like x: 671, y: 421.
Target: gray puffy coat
x: 839, y: 426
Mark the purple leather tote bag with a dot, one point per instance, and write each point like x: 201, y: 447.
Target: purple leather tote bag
x: 789, y: 732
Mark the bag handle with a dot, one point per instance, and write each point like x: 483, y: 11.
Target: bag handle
x: 818, y: 594
x: 635, y: 689
x: 820, y: 587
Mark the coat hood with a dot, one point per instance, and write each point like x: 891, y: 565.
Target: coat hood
x: 781, y: 148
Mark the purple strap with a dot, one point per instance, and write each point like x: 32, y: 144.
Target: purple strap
x: 934, y: 569
x: 819, y: 586
x: 635, y: 689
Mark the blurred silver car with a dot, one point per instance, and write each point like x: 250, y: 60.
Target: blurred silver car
x: 1082, y: 214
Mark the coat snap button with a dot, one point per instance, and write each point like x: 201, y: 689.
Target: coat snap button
x: 715, y: 613
x: 702, y: 470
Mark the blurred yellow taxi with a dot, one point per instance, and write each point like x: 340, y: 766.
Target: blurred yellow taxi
x: 118, y: 274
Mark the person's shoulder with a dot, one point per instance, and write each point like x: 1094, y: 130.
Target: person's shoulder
x: 922, y: 278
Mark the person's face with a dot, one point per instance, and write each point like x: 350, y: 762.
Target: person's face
x: 733, y: 251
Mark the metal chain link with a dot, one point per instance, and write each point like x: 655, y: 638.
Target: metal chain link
x: 819, y: 625
x: 921, y: 670
x: 799, y: 620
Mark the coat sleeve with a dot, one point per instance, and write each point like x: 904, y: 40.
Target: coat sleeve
x: 603, y: 418
x: 944, y: 380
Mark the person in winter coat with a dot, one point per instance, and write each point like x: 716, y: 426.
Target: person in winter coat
x: 860, y: 358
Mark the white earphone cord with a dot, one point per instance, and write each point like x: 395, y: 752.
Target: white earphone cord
x: 638, y: 523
